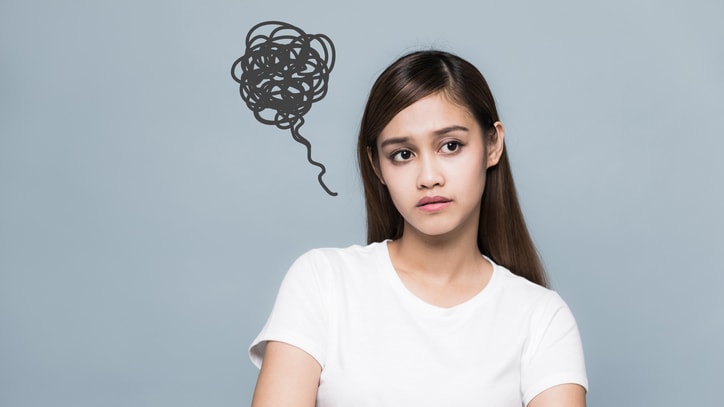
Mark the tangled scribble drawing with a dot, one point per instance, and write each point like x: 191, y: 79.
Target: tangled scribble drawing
x: 281, y: 74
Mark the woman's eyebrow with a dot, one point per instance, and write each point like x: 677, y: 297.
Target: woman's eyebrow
x: 436, y: 133
x: 394, y: 140
x: 449, y: 129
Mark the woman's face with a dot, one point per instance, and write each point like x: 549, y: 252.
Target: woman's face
x: 432, y: 159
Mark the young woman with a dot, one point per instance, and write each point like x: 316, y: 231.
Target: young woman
x: 446, y: 305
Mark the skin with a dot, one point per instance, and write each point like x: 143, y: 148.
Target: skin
x: 435, y: 148
x: 432, y: 148
x: 288, y: 377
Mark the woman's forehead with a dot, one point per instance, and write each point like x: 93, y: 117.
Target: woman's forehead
x: 431, y: 115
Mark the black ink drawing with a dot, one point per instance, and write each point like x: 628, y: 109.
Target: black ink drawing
x: 281, y: 74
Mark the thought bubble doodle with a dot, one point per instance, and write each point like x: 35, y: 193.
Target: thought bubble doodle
x: 282, y: 73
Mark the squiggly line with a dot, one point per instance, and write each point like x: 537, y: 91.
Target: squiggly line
x: 283, y: 72
x: 298, y: 137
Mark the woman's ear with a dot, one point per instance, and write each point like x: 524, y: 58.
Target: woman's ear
x: 495, y: 145
x: 374, y: 165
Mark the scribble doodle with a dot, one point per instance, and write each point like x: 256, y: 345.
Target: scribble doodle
x: 281, y: 74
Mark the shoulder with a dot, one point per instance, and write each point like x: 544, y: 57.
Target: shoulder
x: 329, y: 263
x: 545, y: 311
x: 345, y: 254
x: 520, y: 287
x: 527, y: 297
x: 327, y: 256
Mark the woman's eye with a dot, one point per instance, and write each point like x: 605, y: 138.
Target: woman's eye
x: 451, y: 146
x: 402, y: 155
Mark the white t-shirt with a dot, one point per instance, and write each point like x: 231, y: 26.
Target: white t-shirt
x: 380, y: 345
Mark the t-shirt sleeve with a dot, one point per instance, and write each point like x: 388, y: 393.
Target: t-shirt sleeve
x: 299, y: 316
x: 554, y: 353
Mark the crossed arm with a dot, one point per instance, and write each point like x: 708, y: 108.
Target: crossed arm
x: 289, y: 377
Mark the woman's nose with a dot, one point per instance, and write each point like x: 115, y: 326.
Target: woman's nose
x: 430, y: 174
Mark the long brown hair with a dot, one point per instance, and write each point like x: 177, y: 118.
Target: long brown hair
x: 502, y: 233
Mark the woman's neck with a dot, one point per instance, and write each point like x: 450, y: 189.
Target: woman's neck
x: 437, y: 258
x: 441, y: 272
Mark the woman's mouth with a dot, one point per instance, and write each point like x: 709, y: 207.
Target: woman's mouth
x: 433, y: 203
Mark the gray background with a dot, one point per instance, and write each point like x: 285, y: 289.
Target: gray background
x: 146, y: 218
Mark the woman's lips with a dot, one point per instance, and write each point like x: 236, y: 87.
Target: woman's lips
x: 433, y: 203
